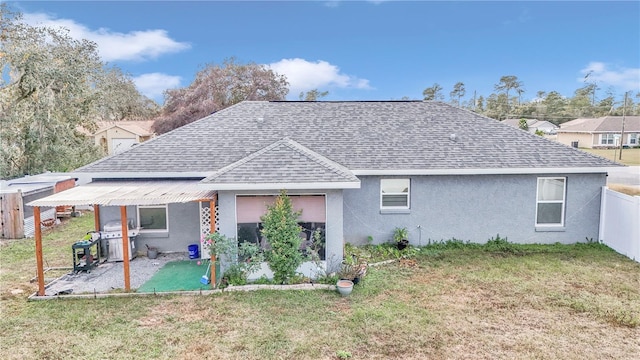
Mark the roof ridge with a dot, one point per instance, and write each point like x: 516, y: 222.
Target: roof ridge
x: 319, y: 158
x: 294, y: 145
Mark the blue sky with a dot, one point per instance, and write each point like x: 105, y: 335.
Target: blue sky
x: 365, y: 50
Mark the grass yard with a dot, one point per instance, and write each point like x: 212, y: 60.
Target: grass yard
x: 625, y: 189
x: 449, y: 302
x: 630, y: 157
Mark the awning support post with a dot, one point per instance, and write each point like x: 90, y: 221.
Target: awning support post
x: 96, y: 216
x: 39, y: 262
x: 125, y: 248
x: 212, y: 229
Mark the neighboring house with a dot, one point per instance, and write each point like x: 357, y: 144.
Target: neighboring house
x: 355, y: 169
x: 534, y: 125
x: 603, y: 132
x: 118, y: 136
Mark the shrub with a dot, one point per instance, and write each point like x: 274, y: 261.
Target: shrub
x: 502, y: 245
x: 241, y: 259
x: 280, y: 227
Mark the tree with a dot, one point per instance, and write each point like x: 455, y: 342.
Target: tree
x: 606, y: 106
x: 554, y: 107
x: 507, y: 83
x: 433, y: 92
x: 280, y: 227
x: 312, y: 95
x: 522, y: 124
x: 217, y: 87
x: 592, y: 86
x: 496, y: 106
x: 480, y: 104
x: 50, y: 92
x: 458, y: 92
x: 520, y: 91
x: 118, y: 99
x: 580, y: 103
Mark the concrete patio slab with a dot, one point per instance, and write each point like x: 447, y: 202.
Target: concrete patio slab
x: 109, y: 276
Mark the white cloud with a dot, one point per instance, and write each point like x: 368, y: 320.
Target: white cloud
x: 153, y: 85
x: 622, y: 78
x: 306, y: 75
x: 114, y: 46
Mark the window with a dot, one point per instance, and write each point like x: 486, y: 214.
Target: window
x: 394, y: 193
x: 250, y: 209
x: 252, y: 232
x: 550, y: 201
x: 153, y: 218
x: 606, y: 139
x: 633, y: 139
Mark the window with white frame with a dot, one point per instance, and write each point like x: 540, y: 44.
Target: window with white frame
x: 153, y: 218
x: 550, y: 201
x: 607, y: 139
x: 394, y: 193
x: 633, y: 139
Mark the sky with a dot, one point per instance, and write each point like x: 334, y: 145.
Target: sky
x: 365, y: 50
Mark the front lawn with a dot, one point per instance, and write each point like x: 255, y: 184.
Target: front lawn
x: 630, y: 157
x: 452, y: 301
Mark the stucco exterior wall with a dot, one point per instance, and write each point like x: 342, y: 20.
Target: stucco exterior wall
x: 584, y: 140
x: 113, y: 133
x: 184, y: 227
x: 334, y: 221
x: 473, y: 208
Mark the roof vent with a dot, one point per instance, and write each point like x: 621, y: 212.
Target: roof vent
x: 260, y: 120
x: 453, y: 137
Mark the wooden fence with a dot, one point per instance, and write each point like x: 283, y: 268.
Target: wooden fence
x: 11, y: 215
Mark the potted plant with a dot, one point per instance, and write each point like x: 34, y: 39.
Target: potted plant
x: 353, y: 270
x: 401, y: 237
x: 348, y: 272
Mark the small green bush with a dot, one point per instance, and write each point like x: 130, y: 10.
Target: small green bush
x: 280, y: 227
x: 502, y: 245
x: 243, y: 259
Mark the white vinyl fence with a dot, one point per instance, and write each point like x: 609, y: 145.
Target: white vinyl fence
x: 620, y: 223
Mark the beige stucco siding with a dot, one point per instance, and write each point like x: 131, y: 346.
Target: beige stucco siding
x: 584, y: 140
x: 105, y: 138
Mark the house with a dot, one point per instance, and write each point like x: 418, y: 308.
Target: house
x: 356, y: 169
x: 603, y: 132
x: 118, y: 136
x: 534, y: 125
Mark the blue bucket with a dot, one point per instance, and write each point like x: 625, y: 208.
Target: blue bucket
x: 194, y: 253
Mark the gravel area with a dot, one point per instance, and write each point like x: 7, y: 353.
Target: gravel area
x: 109, y: 276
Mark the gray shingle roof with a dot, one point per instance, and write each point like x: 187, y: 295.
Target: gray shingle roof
x: 602, y: 124
x: 359, y: 135
x: 284, y: 159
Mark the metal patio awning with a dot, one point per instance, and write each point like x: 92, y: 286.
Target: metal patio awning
x: 123, y: 193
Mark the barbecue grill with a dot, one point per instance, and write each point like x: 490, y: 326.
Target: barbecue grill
x: 111, y: 237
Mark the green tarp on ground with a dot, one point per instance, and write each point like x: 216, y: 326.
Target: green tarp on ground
x: 183, y: 275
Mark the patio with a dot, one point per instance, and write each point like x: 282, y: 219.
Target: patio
x: 108, y: 276
x: 129, y: 274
